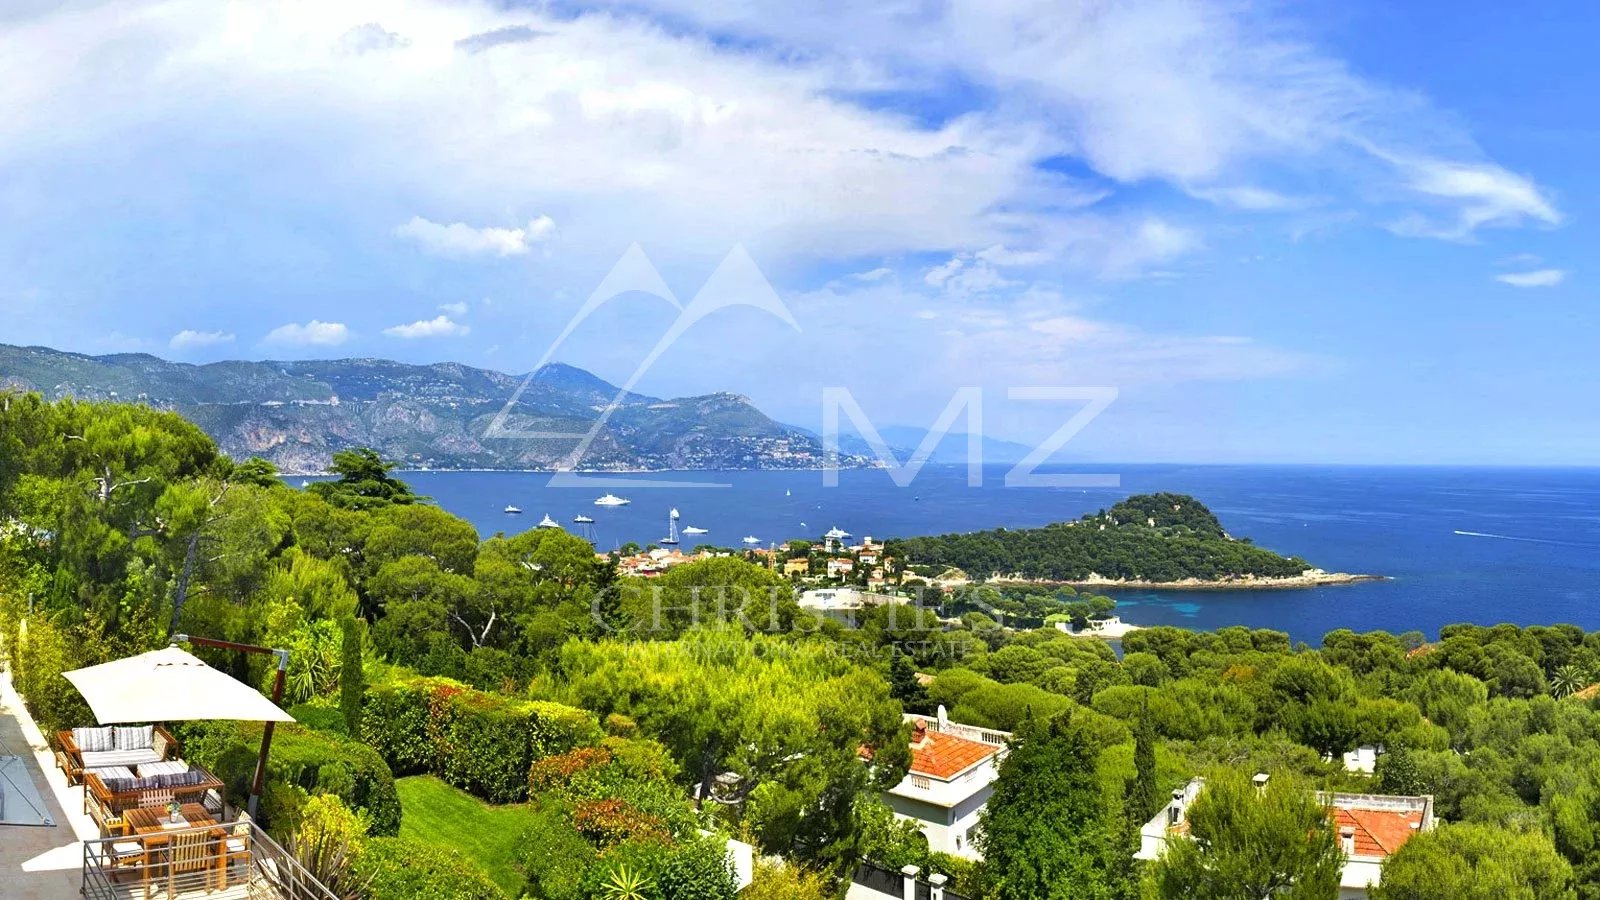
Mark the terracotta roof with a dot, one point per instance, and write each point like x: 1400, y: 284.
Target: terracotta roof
x: 945, y: 755
x: 1378, y: 832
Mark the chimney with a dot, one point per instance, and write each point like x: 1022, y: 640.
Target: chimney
x: 1260, y: 781
x: 1347, y: 839
x: 1175, y: 808
x: 919, y: 733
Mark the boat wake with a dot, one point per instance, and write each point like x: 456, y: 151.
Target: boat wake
x: 1526, y: 540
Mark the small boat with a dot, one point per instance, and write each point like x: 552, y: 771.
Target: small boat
x: 786, y: 493
x: 513, y: 511
x: 752, y: 539
x: 612, y: 500
x: 548, y: 522
x: 305, y: 484
x: 583, y: 520
x: 693, y: 530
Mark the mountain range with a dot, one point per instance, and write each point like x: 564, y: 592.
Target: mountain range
x: 298, y: 413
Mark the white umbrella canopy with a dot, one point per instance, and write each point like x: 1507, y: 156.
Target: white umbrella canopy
x: 169, y: 685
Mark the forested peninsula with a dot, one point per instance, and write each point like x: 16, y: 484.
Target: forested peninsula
x: 1163, y: 540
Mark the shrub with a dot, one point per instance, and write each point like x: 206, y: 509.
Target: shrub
x: 400, y: 869
x: 611, y: 821
x: 43, y: 652
x: 554, y: 855
x: 480, y: 742
x: 693, y: 870
x: 310, y: 762
x: 319, y: 715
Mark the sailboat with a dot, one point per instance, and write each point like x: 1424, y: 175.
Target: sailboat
x: 583, y: 520
x: 672, y: 528
x: 612, y: 500
x: 787, y: 493
x: 585, y: 527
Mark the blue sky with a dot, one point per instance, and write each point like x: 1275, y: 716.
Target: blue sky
x: 1284, y: 232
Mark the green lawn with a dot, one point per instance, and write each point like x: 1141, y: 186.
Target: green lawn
x: 436, y: 813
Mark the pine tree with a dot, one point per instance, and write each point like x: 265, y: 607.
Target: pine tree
x: 904, y: 686
x: 1046, y: 833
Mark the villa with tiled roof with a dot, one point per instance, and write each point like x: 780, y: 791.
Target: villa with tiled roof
x: 1371, y: 828
x: 953, y: 768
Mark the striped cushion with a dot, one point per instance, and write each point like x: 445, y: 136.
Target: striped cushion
x: 93, y: 739
x: 133, y: 737
x: 96, y: 758
x: 159, y: 744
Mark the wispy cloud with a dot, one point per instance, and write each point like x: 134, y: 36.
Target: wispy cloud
x: 460, y: 240
x: 458, y: 308
x: 1534, y: 279
x: 313, y: 333
x: 439, y: 326
x: 189, y: 339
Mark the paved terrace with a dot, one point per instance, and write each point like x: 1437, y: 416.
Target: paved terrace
x: 43, y: 862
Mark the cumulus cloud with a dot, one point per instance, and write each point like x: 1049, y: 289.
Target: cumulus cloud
x: 460, y: 240
x: 188, y: 339
x: 439, y: 326
x: 1534, y: 279
x: 313, y: 333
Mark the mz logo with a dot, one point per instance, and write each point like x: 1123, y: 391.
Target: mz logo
x: 736, y: 282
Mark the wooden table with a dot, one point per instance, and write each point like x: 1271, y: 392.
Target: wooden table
x: 146, y: 823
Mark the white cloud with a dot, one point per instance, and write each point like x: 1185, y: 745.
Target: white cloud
x: 1534, y: 279
x: 458, y: 308
x: 877, y: 274
x: 439, y: 326
x: 189, y: 339
x: 1478, y: 195
x: 313, y: 333
x: 459, y: 239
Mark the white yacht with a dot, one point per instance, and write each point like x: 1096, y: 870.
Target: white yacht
x: 513, y: 511
x: 583, y: 520
x: 693, y: 530
x: 612, y: 500
x: 752, y: 539
x: 548, y: 522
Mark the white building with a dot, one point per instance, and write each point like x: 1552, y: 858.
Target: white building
x: 1371, y: 828
x: 953, y: 769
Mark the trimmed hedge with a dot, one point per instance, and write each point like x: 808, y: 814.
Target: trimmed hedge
x: 480, y: 742
x: 401, y: 869
x: 314, y: 762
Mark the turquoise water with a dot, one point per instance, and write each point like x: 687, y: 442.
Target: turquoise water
x: 1530, y: 552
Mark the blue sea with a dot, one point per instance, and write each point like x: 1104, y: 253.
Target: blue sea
x: 1458, y: 544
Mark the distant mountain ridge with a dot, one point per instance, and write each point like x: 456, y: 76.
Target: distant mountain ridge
x: 298, y: 413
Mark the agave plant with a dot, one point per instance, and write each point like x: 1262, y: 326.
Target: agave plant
x: 1567, y: 680
x: 626, y: 884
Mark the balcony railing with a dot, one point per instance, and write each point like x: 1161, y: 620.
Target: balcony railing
x: 218, y: 862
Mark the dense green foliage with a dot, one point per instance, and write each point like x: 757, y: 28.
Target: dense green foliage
x: 1473, y: 862
x: 474, y: 740
x: 1047, y: 833
x: 1245, y: 846
x: 302, y: 762
x: 400, y: 869
x: 1186, y: 541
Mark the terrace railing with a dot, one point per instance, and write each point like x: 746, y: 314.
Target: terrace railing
x: 218, y: 862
